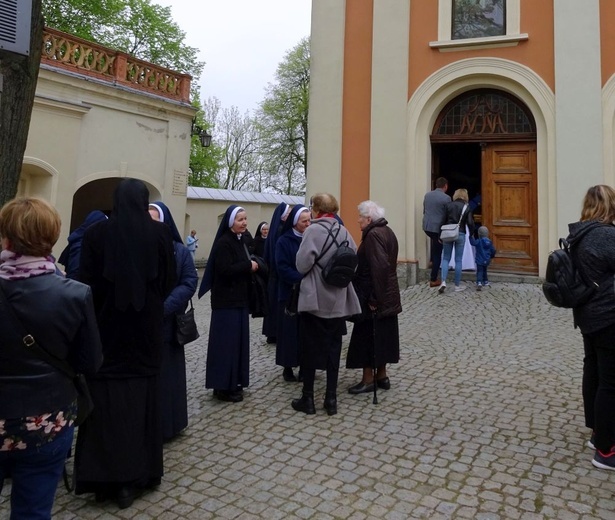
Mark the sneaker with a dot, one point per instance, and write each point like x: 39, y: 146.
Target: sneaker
x: 487, y: 284
x: 591, y: 443
x: 604, y: 461
x: 479, y: 286
x: 459, y: 288
x: 442, y: 288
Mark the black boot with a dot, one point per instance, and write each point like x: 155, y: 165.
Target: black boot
x: 305, y: 404
x: 288, y: 375
x: 330, y: 404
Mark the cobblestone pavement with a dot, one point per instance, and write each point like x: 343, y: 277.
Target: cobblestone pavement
x: 483, y: 421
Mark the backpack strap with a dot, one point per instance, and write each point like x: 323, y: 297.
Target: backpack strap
x: 326, y: 247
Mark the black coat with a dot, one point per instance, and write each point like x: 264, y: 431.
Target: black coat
x: 376, y: 281
x: 453, y: 212
x: 132, y: 340
x: 232, y: 270
x: 595, y: 254
x: 59, y: 313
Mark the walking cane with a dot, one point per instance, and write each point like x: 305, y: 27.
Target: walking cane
x: 375, y: 382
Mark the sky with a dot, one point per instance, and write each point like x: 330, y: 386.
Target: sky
x: 241, y: 42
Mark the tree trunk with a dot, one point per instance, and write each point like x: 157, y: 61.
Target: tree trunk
x: 19, y: 75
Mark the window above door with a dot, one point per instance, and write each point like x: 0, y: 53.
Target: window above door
x: 465, y: 24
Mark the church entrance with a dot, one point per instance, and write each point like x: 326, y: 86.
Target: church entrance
x: 485, y: 141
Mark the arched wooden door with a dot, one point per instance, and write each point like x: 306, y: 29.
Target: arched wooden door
x: 504, y: 181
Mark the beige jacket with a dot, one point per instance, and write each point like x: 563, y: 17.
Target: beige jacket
x: 316, y: 296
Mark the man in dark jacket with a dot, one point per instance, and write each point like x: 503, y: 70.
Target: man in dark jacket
x: 434, y: 214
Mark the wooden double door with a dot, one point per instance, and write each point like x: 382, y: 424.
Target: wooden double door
x: 502, y: 177
x: 510, y: 205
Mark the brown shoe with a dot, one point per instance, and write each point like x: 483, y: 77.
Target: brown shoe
x: 435, y: 283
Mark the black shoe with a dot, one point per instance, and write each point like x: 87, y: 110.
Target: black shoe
x: 361, y: 388
x: 288, y: 375
x: 126, y: 496
x: 271, y: 340
x: 305, y: 404
x: 102, y: 496
x: 384, y: 383
x: 330, y: 404
x: 229, y: 397
x: 300, y: 376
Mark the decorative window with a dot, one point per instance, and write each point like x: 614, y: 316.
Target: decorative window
x: 484, y: 115
x: 464, y: 24
x: 478, y: 18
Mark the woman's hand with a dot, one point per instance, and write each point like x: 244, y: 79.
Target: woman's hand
x: 254, y: 267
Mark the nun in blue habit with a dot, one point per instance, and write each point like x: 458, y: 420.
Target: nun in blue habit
x: 270, y: 321
x: 173, y: 388
x: 227, y: 276
x: 287, y: 347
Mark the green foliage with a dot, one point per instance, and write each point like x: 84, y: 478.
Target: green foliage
x: 282, y: 122
x: 205, y: 163
x: 137, y: 27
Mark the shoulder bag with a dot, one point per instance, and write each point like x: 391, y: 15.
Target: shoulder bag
x: 85, y: 405
x: 186, y: 331
x: 450, y: 232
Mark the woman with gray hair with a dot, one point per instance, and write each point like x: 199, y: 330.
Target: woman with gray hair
x: 375, y: 336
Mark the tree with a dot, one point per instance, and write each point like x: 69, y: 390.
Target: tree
x: 138, y: 27
x: 282, y: 121
x: 205, y: 163
x: 238, y: 137
x: 19, y: 75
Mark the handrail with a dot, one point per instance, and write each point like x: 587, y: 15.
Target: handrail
x: 68, y: 52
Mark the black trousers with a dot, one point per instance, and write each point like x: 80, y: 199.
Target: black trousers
x: 599, y: 386
x: 436, y: 254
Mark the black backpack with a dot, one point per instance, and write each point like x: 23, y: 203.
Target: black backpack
x: 565, y: 283
x: 342, y: 266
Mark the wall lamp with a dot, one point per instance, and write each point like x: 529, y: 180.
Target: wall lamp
x: 204, y: 137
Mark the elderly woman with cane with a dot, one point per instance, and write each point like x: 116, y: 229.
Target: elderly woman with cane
x: 375, y: 336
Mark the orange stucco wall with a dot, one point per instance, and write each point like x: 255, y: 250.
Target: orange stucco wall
x: 356, y: 112
x: 536, y: 53
x: 607, y: 39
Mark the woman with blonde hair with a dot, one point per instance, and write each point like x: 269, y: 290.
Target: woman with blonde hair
x: 457, y: 211
x: 593, y: 242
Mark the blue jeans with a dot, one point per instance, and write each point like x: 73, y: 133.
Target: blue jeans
x: 481, y: 274
x: 35, y: 474
x: 448, y: 251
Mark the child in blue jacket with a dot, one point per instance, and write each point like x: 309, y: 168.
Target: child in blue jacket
x: 485, y: 251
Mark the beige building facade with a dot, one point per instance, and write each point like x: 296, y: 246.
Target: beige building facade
x: 403, y: 92
x: 97, y: 121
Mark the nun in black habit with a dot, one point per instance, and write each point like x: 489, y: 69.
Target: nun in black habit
x: 173, y: 388
x: 128, y: 262
x: 227, y: 275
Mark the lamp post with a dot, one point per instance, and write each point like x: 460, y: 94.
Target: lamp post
x: 204, y: 136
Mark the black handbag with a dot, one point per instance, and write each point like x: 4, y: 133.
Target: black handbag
x: 186, y: 331
x: 258, y: 297
x: 85, y: 404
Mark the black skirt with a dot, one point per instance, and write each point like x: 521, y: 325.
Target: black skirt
x: 121, y: 440
x: 228, y: 352
x: 287, y: 347
x: 320, y: 341
x: 173, y: 391
x: 361, y: 348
